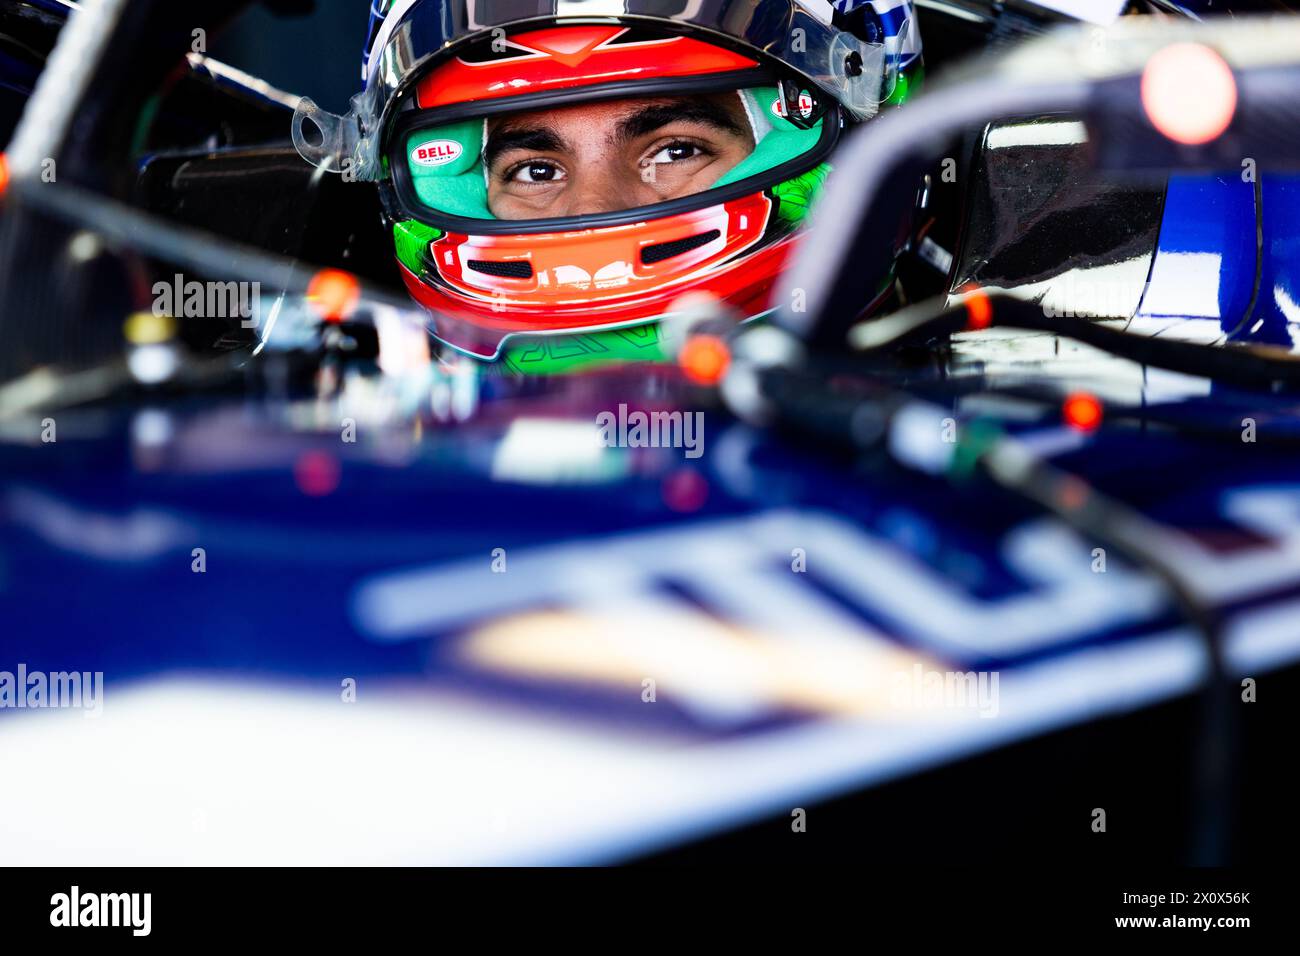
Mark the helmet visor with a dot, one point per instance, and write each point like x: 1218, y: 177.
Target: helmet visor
x: 598, y: 160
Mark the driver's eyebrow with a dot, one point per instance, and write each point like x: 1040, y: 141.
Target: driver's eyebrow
x: 540, y: 139
x: 652, y: 117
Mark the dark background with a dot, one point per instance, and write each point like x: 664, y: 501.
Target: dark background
x: 317, y: 54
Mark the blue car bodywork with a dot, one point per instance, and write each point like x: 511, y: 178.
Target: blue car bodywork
x: 483, y: 636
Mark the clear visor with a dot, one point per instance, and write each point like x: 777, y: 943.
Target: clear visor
x: 602, y: 157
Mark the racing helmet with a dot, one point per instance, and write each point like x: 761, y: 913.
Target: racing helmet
x: 550, y: 285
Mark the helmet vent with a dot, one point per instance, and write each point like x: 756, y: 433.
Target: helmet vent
x: 515, y: 269
x: 666, y: 250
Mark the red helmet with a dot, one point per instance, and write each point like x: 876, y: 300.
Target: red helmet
x: 457, y: 98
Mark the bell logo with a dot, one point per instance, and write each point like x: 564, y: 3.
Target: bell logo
x: 805, y: 106
x: 437, y: 152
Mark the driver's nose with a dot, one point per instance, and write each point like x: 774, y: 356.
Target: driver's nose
x: 600, y: 191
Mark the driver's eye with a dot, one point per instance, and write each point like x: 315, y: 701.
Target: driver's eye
x: 537, y: 173
x: 676, y: 153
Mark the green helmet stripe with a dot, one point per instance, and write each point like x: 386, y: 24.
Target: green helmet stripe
x: 795, y: 196
x: 412, y: 238
x: 560, y: 354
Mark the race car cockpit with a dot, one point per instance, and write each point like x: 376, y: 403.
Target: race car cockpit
x: 369, y: 385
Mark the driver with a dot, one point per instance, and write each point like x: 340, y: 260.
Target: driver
x: 555, y: 185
